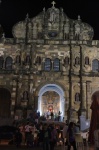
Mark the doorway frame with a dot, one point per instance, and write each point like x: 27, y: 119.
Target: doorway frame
x: 57, y: 89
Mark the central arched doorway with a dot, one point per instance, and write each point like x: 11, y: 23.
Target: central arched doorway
x: 5, y: 102
x: 51, y: 97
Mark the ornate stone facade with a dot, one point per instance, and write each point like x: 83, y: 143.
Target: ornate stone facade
x: 50, y: 58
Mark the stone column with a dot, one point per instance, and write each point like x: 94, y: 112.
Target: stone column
x: 83, y: 99
x: 31, y: 93
x: 13, y: 97
x: 88, y: 99
x: 71, y: 58
x: 36, y: 102
x: 71, y: 113
x: 72, y: 96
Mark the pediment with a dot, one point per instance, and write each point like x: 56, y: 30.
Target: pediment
x: 53, y: 24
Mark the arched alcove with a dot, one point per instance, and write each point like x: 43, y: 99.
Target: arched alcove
x: 50, y: 88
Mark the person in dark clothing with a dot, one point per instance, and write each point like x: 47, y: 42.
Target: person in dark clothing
x: 59, y: 116
x: 18, y: 138
x: 52, y: 115
x: 71, y: 136
x: 40, y: 135
x: 46, y: 137
x: 30, y: 139
x: 53, y: 138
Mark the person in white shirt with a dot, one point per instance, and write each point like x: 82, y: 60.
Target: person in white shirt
x: 65, y: 132
x: 27, y: 130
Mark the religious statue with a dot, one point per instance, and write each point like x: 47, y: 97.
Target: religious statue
x: 25, y: 95
x: 77, y: 97
x: 77, y: 30
x: 31, y: 87
x: 52, y: 16
x: 18, y: 59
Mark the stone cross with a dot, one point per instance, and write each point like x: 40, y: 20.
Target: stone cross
x: 53, y: 3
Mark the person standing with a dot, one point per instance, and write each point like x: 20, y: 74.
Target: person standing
x: 65, y: 132
x: 30, y: 139
x: 71, y: 136
x: 22, y: 130
x: 18, y: 138
x: 46, y: 137
x: 54, y: 137
x: 28, y: 128
x: 52, y: 115
x: 59, y: 116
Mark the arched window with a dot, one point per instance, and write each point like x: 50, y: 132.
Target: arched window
x: 1, y: 62
x: 66, y: 61
x: 86, y: 60
x: 56, y: 64
x: 95, y: 65
x: 48, y: 64
x: 25, y: 95
x: 77, y: 97
x: 8, y: 63
x: 18, y: 59
x: 77, y: 61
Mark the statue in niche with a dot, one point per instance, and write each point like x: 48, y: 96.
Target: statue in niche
x: 77, y: 31
x: 66, y: 29
x: 52, y: 17
x: 86, y: 61
x: 23, y: 55
x: 77, y: 61
x: 25, y: 95
x: 77, y: 97
x: 30, y: 30
x: 18, y: 59
x: 31, y: 87
x: 66, y: 61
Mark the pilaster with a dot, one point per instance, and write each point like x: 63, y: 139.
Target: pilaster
x: 88, y: 98
x: 83, y: 99
x: 13, y: 98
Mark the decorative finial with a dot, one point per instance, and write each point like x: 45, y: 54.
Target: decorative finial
x: 44, y: 9
x: 27, y: 16
x: 79, y: 18
x: 53, y: 3
x: 3, y: 35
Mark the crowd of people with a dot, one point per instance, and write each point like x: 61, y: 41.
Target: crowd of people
x: 53, y: 116
x: 37, y: 134
x: 45, y: 135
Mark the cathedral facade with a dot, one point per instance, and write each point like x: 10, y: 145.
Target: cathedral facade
x: 50, y: 64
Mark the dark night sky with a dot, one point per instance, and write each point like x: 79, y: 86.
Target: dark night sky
x: 12, y: 11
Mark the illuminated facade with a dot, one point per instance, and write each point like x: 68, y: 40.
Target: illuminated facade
x: 51, y: 63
